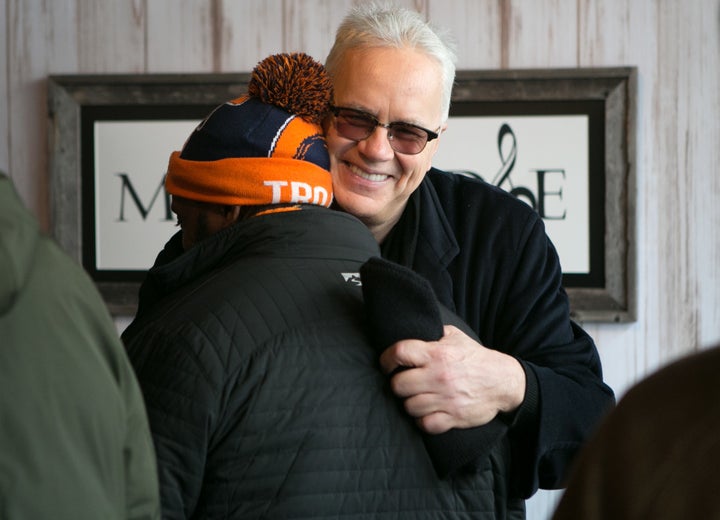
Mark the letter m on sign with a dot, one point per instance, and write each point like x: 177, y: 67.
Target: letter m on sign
x: 127, y: 187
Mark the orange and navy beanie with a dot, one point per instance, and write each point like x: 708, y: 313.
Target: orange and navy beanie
x: 266, y: 147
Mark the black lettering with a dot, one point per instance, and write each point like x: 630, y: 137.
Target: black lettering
x: 127, y: 186
x: 508, y: 162
x: 525, y: 193
x: 542, y: 194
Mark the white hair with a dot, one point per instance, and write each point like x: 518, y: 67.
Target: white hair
x: 374, y: 25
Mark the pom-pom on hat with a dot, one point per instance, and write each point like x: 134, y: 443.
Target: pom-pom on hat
x: 266, y: 147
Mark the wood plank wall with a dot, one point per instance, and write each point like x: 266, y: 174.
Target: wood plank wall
x: 674, y: 43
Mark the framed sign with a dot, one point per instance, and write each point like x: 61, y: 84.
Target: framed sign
x: 111, y: 137
x: 561, y: 140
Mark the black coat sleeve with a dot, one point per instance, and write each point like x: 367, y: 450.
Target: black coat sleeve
x: 566, y: 395
x: 181, y: 402
x: 505, y: 280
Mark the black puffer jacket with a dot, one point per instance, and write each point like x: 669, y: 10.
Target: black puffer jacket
x: 264, y: 396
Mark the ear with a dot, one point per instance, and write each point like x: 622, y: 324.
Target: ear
x: 326, y: 123
x: 231, y: 214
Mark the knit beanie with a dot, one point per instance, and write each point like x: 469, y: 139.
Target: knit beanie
x: 265, y: 147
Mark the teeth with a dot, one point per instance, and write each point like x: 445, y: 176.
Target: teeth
x: 374, y: 177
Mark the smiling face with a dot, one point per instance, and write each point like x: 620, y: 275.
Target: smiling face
x: 370, y: 179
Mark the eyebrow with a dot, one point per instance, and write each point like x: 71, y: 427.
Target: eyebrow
x: 368, y: 112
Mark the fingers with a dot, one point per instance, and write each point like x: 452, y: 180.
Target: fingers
x: 450, y: 383
x: 405, y: 353
x: 433, y: 411
x: 422, y: 382
x: 435, y: 423
x: 417, y: 353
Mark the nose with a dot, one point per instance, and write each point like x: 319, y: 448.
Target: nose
x: 377, y: 145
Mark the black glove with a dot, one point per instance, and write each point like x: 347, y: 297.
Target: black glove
x: 400, y: 304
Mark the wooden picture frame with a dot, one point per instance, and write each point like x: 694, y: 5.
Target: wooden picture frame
x: 76, y: 103
x: 95, y: 120
x: 606, y: 98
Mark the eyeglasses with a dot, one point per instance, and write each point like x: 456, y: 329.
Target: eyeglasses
x: 404, y: 138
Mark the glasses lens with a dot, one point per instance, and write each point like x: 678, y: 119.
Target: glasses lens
x: 354, y: 125
x: 407, y: 139
x: 358, y: 126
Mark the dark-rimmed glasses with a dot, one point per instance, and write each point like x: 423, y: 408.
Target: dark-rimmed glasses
x: 404, y: 138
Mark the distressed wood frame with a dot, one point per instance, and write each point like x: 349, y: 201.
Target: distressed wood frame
x: 615, y: 301
x: 67, y: 96
x: 616, y: 88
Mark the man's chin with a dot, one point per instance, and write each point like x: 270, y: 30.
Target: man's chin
x: 361, y: 206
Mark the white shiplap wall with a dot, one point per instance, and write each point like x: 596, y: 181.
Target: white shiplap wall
x: 674, y: 43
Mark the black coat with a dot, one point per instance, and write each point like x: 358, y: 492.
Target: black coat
x: 265, y: 397
x: 489, y: 259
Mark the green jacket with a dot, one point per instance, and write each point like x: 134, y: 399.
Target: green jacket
x: 74, y: 437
